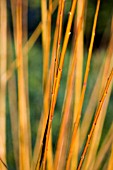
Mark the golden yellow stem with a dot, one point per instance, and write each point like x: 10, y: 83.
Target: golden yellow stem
x: 44, y: 114
x: 95, y: 93
x: 57, y: 82
x: 78, y: 76
x: 90, y: 108
x: 44, y: 41
x: 50, y: 151
x: 89, y: 162
x: 67, y: 102
x: 29, y: 44
x: 76, y: 124
x: 25, y: 62
x: 101, y: 102
x: 24, y: 152
x: 90, y: 158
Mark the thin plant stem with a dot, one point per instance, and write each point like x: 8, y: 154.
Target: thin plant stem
x: 90, y: 158
x: 25, y: 62
x: 53, y: 65
x: 55, y: 92
x: 59, y: 26
x: 90, y: 108
x: 3, y: 163
x: 50, y: 154
x: 95, y: 119
x: 78, y: 76
x: 60, y: 17
x: 49, y: 23
x: 68, y: 98
x: 89, y: 161
x: 94, y: 96
x: 46, y: 101
x: 24, y: 152
x: 44, y: 40
x: 76, y: 124
x: 29, y: 44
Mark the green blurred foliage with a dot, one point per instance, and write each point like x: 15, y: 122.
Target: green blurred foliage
x: 34, y: 3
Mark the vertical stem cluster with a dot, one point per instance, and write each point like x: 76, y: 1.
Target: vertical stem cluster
x: 47, y: 93
x: 96, y: 118
x: 90, y: 161
x: 61, y: 149
x: 66, y: 157
x: 76, y: 124
x: 57, y: 82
